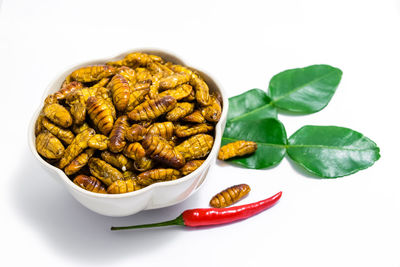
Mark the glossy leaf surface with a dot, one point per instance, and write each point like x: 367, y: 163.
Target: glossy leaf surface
x: 304, y: 90
x: 330, y: 151
x: 251, y: 105
x: 270, y: 136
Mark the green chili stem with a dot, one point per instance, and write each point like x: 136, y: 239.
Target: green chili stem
x: 176, y: 221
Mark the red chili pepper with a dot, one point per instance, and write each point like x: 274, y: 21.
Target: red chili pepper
x: 212, y: 216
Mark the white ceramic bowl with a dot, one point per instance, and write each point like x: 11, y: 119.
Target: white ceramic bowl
x: 155, y: 196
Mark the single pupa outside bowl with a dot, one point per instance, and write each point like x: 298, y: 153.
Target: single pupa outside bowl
x: 155, y: 196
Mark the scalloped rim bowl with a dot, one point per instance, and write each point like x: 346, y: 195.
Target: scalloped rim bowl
x: 155, y: 196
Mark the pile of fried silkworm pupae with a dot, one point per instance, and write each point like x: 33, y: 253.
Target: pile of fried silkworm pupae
x: 122, y: 126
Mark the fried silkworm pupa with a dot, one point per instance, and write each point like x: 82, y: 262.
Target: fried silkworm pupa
x: 117, y: 160
x: 138, y: 94
x: 191, y: 166
x: 39, y: 124
x: 79, y: 144
x: 100, y: 114
x: 81, y: 95
x: 179, y: 92
x: 155, y: 85
x: 103, y: 82
x: 98, y: 141
x: 120, y: 90
x: 191, y: 97
x: 173, y: 141
x: 67, y: 88
x: 78, y: 112
x: 58, y: 115
x: 134, y: 151
x: 90, y: 183
x: 92, y: 73
x: 135, y: 59
x: 141, y: 85
x: 50, y: 99
x: 195, y: 117
x: 181, y: 110
x: 142, y: 75
x: 135, y: 133
x: 77, y: 107
x: 189, y: 130
x: 123, y: 186
x: 145, y: 124
x: 174, y: 80
x: 79, y: 162
x: 235, y: 149
x: 179, y: 68
x: 78, y: 128
x: 229, y: 196
x: 49, y: 146
x: 128, y: 73
x: 160, y: 150
x: 77, y: 101
x: 152, y: 109
x: 129, y: 175
x: 104, y: 171
x: 202, y: 91
x: 212, y: 112
x: 157, y: 175
x: 105, y: 94
x: 63, y: 134
x: 117, y: 136
x: 196, y: 147
x: 143, y: 164
x: 158, y: 68
x: 163, y: 129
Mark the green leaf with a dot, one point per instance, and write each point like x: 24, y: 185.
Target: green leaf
x: 270, y: 136
x: 251, y: 105
x: 304, y: 90
x: 330, y: 151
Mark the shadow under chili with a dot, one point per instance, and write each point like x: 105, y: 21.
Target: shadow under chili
x: 74, y: 232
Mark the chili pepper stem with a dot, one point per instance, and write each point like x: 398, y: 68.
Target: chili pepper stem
x: 176, y: 221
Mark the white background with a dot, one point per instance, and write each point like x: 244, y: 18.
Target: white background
x: 351, y: 221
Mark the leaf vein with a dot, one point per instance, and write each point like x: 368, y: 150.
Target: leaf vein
x: 331, y: 147
x: 299, y: 87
